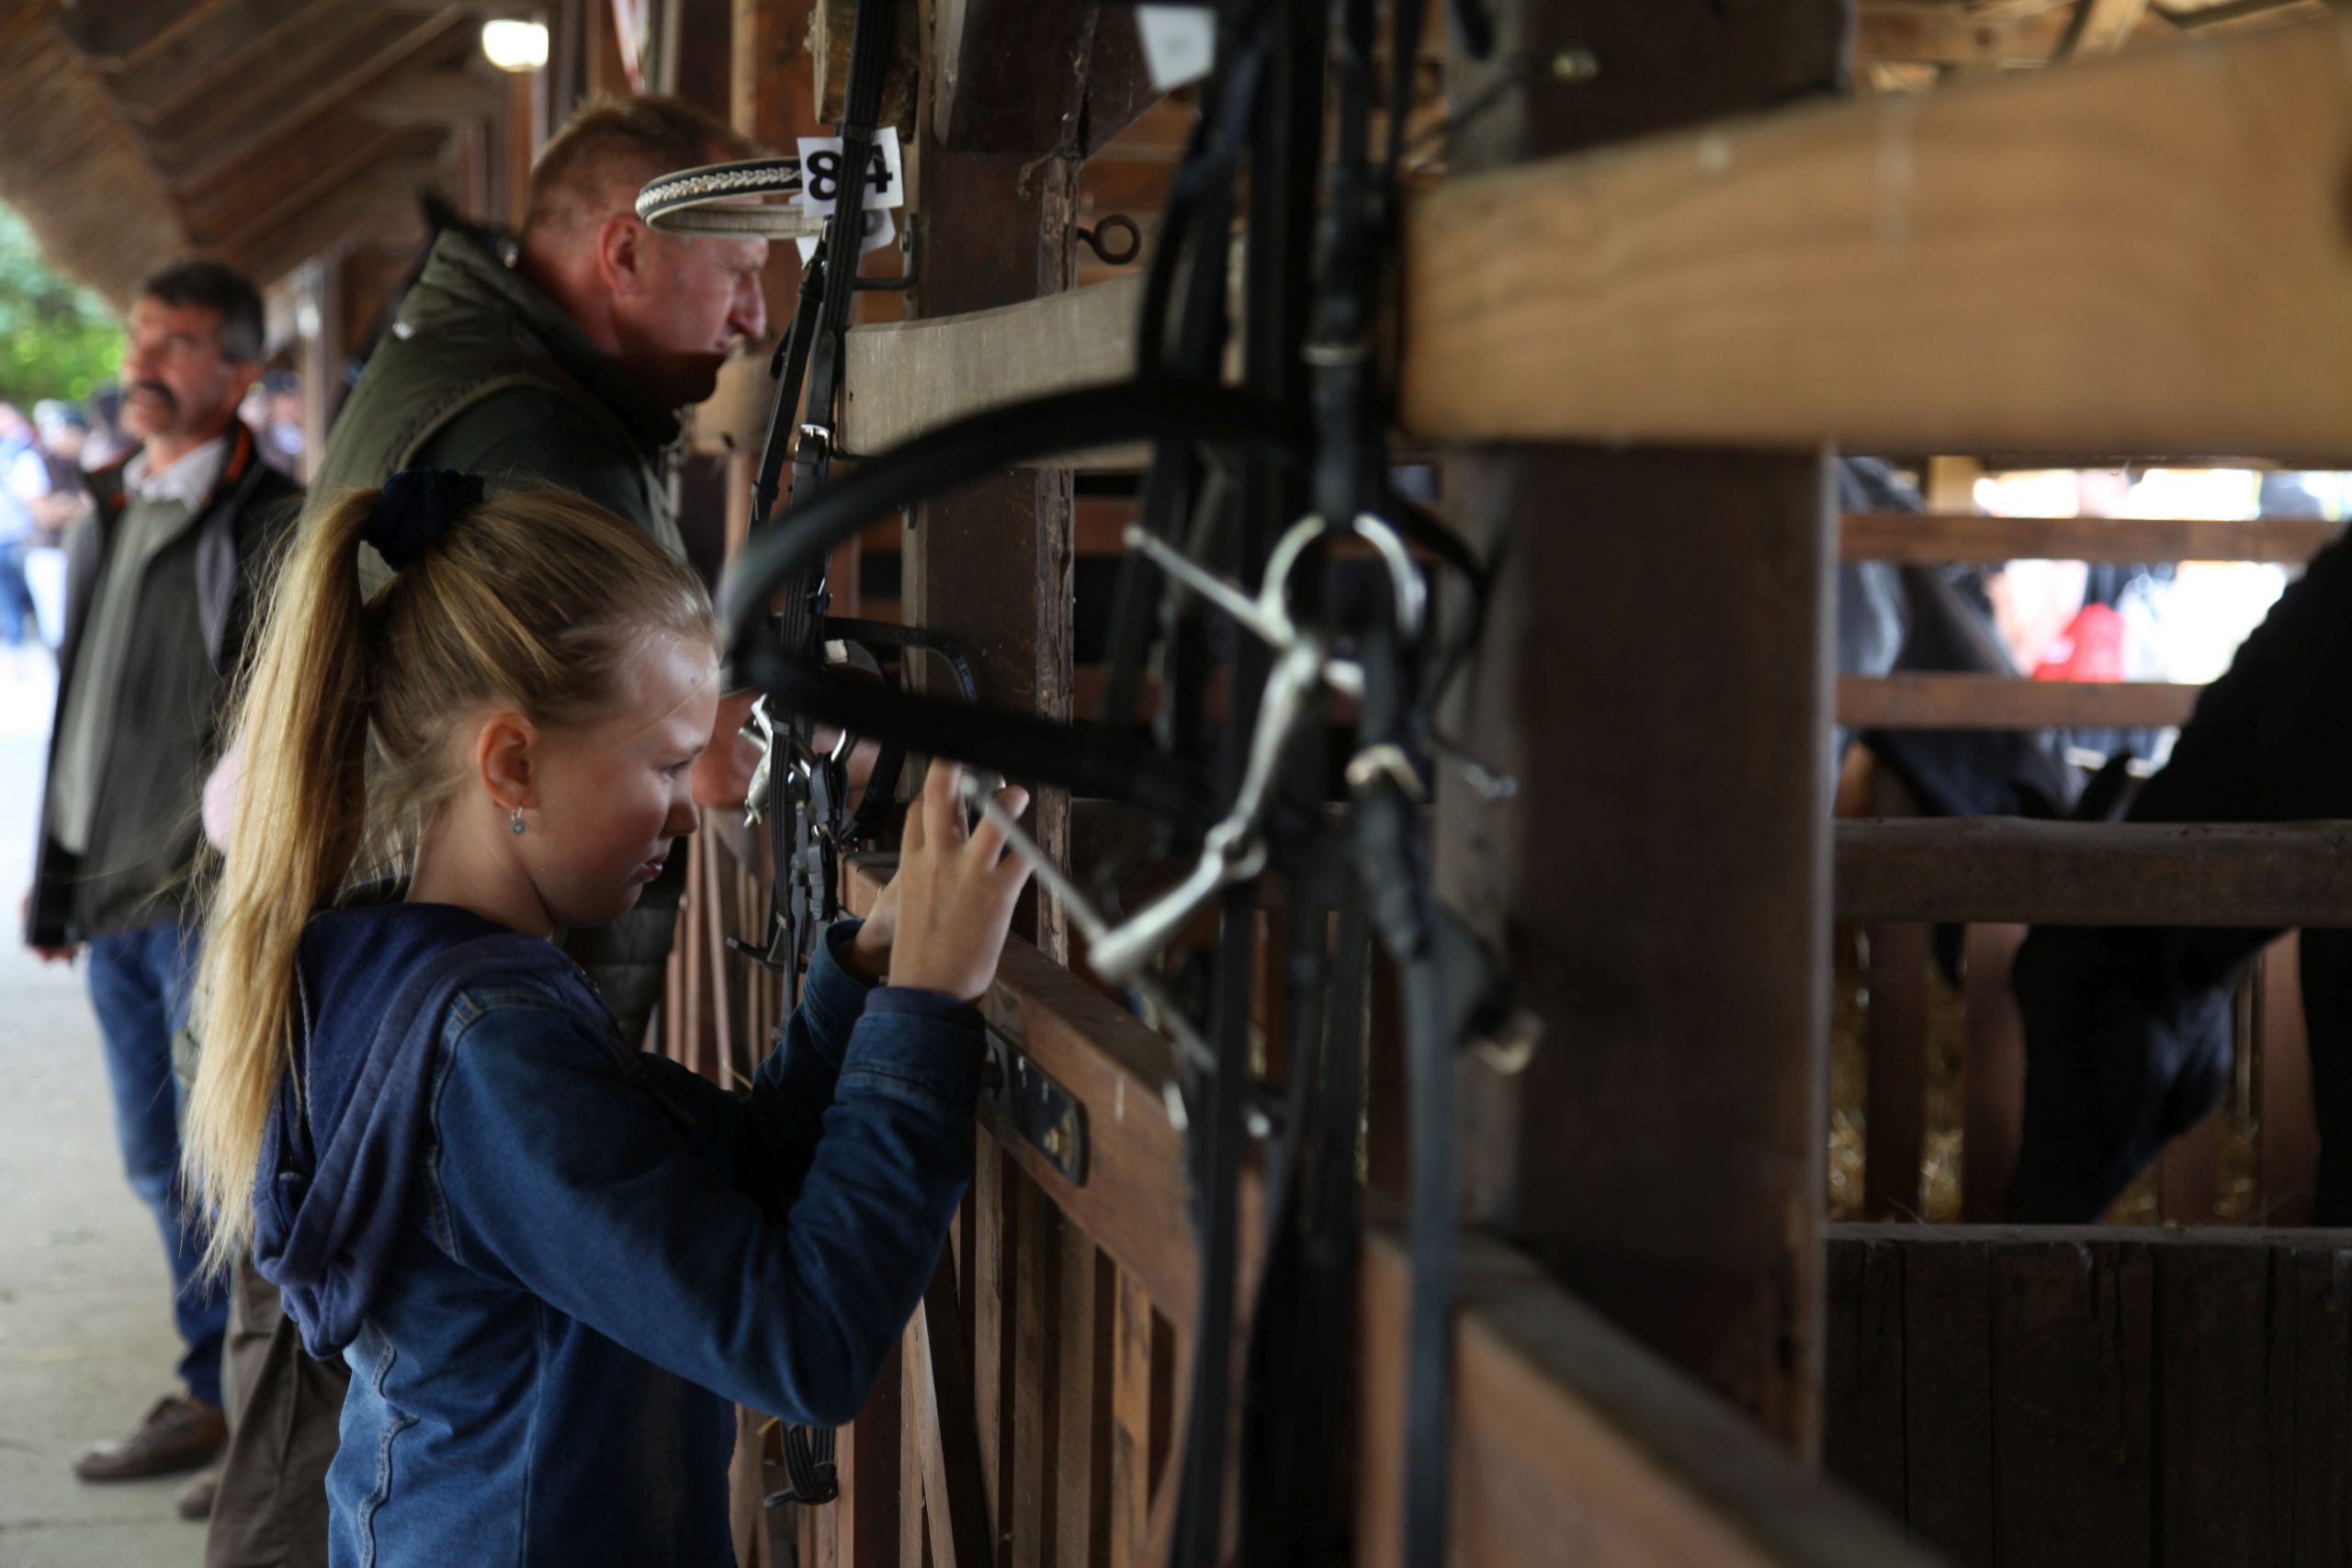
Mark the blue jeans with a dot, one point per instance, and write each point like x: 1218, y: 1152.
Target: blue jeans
x: 16, y: 596
x: 139, y: 985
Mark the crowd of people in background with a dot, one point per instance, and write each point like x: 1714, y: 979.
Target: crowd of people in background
x: 46, y: 456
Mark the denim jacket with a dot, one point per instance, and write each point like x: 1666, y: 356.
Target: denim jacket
x: 601, y: 1252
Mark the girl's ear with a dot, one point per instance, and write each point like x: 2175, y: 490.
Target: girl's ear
x: 505, y: 758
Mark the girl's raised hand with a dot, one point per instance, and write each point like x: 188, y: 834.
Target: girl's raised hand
x: 956, y: 888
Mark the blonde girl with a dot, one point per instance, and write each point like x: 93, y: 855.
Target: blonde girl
x: 552, y: 1263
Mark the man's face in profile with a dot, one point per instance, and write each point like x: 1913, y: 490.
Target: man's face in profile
x: 699, y: 296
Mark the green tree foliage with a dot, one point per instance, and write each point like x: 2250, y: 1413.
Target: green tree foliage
x: 57, y: 340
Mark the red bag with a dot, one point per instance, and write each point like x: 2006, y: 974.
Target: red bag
x: 2090, y: 649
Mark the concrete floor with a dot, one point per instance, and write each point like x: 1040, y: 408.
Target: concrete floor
x: 85, y: 1332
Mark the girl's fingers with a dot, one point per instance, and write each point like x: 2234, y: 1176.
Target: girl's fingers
x: 910, y: 838
x: 942, y: 804
x: 988, y: 839
x: 1011, y: 874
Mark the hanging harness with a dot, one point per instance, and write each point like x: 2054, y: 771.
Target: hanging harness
x: 1234, y: 570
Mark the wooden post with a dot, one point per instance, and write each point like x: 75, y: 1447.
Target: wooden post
x: 1991, y: 1073
x: 1896, y: 1072
x: 2288, y: 1151
x: 321, y: 292
x: 996, y: 200
x: 1656, y: 673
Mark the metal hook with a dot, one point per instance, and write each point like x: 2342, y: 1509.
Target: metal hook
x: 1093, y: 238
x: 756, y: 798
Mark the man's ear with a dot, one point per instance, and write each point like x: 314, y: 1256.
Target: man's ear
x: 622, y: 243
x: 242, y: 374
x: 506, y: 760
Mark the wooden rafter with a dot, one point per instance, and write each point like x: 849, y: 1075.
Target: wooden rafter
x: 204, y: 60
x: 336, y: 64
x: 109, y: 224
x: 115, y: 32
x: 377, y: 205
x: 267, y: 191
x: 438, y: 95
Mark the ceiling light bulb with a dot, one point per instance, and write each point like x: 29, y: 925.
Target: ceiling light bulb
x: 515, y: 45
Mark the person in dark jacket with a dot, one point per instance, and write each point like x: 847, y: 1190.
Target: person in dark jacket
x: 161, y: 580
x: 551, y: 1261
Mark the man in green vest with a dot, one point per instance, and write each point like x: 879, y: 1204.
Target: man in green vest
x: 567, y: 367
x: 161, y: 585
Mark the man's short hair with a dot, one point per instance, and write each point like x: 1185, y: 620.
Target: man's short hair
x: 611, y: 146
x: 219, y: 288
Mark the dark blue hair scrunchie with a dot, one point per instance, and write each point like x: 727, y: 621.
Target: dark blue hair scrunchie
x: 416, y: 507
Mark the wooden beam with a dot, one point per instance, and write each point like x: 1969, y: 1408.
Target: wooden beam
x: 329, y: 66
x: 1573, y: 1443
x: 2102, y: 26
x: 235, y: 36
x: 271, y: 191
x: 112, y: 32
x: 994, y: 179
x: 904, y: 378
x: 2146, y: 254
x: 375, y: 213
x: 1931, y: 540
x: 2115, y: 874
x: 2001, y: 702
x: 831, y: 27
x: 1118, y: 86
x: 439, y: 97
x: 1700, y: 1108
x: 1936, y: 33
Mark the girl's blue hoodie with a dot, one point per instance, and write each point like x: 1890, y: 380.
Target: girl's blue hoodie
x: 553, y: 1262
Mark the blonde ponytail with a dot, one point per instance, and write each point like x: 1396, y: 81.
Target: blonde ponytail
x: 535, y: 600
x: 301, y: 812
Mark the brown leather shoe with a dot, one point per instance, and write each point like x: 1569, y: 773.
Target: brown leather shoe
x: 180, y: 1433
x: 193, y: 1499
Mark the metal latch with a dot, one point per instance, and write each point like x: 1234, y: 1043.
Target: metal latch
x: 1046, y: 1116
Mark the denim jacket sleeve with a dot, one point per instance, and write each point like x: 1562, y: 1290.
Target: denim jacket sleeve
x: 560, y: 1172
x: 781, y: 1115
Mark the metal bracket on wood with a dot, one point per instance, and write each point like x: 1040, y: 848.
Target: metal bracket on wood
x: 1046, y: 1116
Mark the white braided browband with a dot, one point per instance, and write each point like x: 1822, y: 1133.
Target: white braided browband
x: 690, y: 201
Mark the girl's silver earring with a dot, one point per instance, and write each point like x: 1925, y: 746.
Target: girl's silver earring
x: 515, y: 823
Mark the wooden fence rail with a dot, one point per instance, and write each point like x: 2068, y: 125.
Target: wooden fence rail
x: 2002, y: 701
x: 2134, y: 874
x: 1928, y: 539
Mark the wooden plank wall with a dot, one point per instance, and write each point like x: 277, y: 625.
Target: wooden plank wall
x: 2097, y: 1398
